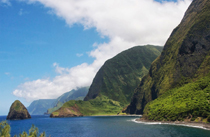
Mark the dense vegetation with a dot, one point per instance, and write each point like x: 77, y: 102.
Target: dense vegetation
x: 184, y: 60
x: 119, y: 76
x: 33, y: 132
x: 189, y: 102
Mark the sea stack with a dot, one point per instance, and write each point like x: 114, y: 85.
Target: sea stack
x: 18, y: 111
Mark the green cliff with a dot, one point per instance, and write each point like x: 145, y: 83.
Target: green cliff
x: 39, y: 107
x: 78, y: 94
x: 113, y: 85
x: 42, y: 106
x: 178, y: 79
x: 18, y: 111
x: 119, y: 76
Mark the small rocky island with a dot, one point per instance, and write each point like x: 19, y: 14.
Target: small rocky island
x: 18, y: 111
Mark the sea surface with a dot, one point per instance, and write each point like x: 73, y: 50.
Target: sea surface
x: 102, y: 126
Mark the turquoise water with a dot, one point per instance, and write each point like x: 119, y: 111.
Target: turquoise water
x: 107, y: 126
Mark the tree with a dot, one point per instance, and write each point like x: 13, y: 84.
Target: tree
x: 4, y: 129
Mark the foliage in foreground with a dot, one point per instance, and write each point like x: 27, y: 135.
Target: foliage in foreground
x: 33, y: 132
x: 191, y: 101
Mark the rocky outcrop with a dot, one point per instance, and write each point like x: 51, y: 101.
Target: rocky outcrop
x: 67, y: 112
x: 18, y: 111
x: 184, y: 59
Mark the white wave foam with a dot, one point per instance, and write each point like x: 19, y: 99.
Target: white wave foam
x: 160, y: 123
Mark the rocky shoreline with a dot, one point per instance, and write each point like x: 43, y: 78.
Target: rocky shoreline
x: 201, y: 125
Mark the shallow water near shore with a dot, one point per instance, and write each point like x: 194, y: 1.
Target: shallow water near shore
x: 102, y: 126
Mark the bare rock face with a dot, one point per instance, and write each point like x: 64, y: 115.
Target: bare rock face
x: 18, y: 111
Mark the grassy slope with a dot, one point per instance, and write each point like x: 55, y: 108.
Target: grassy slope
x: 18, y: 106
x: 190, y: 101
x: 59, y: 105
x: 98, y: 106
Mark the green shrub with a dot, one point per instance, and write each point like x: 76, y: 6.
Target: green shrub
x: 33, y: 132
x: 4, y: 129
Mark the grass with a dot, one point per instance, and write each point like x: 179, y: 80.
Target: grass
x: 50, y: 110
x: 17, y: 105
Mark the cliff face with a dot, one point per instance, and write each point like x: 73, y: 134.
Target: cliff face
x: 184, y: 59
x: 119, y: 76
x: 78, y: 94
x: 39, y: 107
x: 42, y: 106
x: 113, y: 85
x: 18, y: 111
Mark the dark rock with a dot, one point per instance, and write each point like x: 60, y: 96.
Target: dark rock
x: 18, y: 111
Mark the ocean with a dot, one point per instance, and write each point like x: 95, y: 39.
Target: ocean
x: 102, y: 126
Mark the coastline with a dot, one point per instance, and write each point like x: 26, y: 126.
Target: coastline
x: 200, y: 125
x: 115, y: 115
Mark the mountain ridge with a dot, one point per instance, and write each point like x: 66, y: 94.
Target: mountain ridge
x: 113, y: 85
x: 43, y: 106
x: 122, y: 74
x: 77, y: 94
x: 39, y: 107
x: 184, y: 59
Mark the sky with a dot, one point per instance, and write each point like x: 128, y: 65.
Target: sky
x: 49, y: 47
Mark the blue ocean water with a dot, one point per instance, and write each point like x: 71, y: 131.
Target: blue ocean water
x: 101, y: 126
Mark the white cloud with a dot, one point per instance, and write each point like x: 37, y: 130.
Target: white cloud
x: 23, y: 12
x: 6, y: 2
x: 7, y: 73
x: 79, y: 54
x: 67, y: 80
x: 125, y: 22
